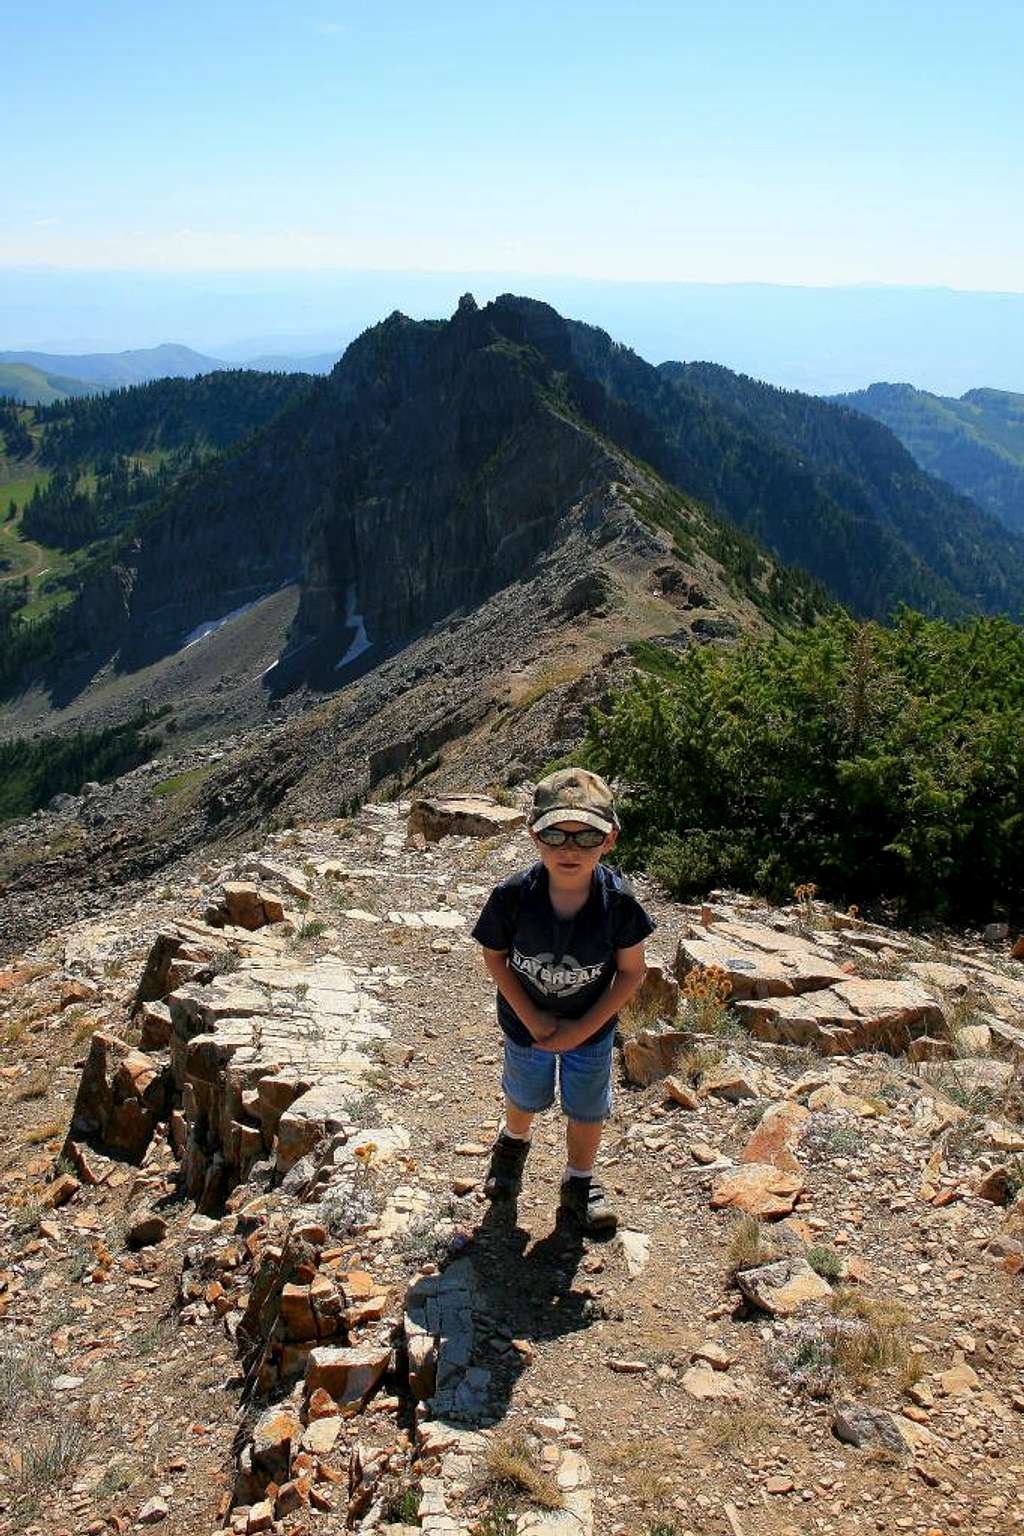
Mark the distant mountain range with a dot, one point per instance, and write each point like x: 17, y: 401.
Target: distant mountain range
x: 975, y: 442
x: 39, y: 378
x: 113, y: 370
x: 817, y: 339
x: 438, y: 462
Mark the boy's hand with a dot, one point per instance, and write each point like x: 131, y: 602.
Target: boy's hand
x: 542, y: 1026
x: 564, y: 1038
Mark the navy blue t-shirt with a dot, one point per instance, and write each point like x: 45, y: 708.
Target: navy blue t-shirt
x: 563, y: 964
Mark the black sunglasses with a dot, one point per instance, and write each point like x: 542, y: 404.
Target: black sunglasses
x: 557, y: 837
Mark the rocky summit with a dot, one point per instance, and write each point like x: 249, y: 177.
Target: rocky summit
x: 249, y: 1282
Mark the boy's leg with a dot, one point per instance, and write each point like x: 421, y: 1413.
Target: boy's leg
x: 586, y: 1082
x: 582, y: 1139
x: 518, y: 1122
x: 528, y: 1081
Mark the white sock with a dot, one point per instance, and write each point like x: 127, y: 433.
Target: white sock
x: 518, y: 1135
x: 576, y: 1173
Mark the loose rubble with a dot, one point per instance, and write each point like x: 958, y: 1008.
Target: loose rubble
x: 249, y: 1260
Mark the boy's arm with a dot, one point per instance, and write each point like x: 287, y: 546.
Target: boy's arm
x: 539, y: 1024
x: 630, y: 969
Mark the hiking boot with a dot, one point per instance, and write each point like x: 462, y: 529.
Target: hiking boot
x: 584, y: 1202
x: 505, y: 1175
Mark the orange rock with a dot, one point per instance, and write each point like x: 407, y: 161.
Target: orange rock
x: 321, y: 1405
x: 64, y: 1188
x: 349, y: 1375
x: 297, y: 1312
x: 995, y: 1186
x: 365, y: 1312
x: 777, y: 1133
x: 759, y: 1189
x: 358, y: 1284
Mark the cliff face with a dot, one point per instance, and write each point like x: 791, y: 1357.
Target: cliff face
x: 430, y: 469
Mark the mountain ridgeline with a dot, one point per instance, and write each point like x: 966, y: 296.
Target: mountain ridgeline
x: 440, y: 460
x: 975, y: 442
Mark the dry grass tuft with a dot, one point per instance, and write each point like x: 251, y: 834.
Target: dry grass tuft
x: 510, y: 1464
x: 960, y: 1010
x: 882, y: 1344
x: 35, y: 1086
x: 546, y: 682
x: 48, y: 1130
x: 84, y: 1029
x: 20, y: 1377
x: 749, y: 1245
x: 14, y: 1031
x: 734, y: 1429
x: 640, y: 1013
x: 696, y: 1061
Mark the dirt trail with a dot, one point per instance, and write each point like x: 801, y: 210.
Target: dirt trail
x: 600, y: 1348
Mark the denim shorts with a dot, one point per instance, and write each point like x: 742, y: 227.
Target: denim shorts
x: 584, y: 1075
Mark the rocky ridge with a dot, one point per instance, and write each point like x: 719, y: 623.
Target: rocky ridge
x: 252, y: 1284
x: 484, y: 697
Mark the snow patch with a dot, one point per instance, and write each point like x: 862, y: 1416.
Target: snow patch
x: 202, y: 631
x: 361, y: 641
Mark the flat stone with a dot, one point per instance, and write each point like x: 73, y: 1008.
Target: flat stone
x: 775, y: 1136
x: 862, y: 1425
x: 658, y: 991
x: 784, y: 1287
x: 778, y: 1484
x: 310, y: 1119
x: 261, y: 1517
x: 462, y: 816
x: 713, y: 1354
x: 758, y: 961
x: 838, y: 1102
x: 243, y: 904
x: 995, y: 1187
x: 152, y: 1512
x: 734, y: 1081
x: 349, y: 1375
x: 959, y: 1379
x: 705, y: 1384
x: 850, y: 1015
x: 146, y: 1229
x: 681, y: 1093
x: 759, y: 1189
x: 63, y: 1189
x: 636, y: 1247
x: 320, y: 1435
x: 276, y: 1431
x: 648, y: 1056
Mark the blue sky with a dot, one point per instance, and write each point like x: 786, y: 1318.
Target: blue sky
x: 823, y: 143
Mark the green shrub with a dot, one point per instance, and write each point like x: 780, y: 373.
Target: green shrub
x: 879, y: 763
x: 825, y: 1262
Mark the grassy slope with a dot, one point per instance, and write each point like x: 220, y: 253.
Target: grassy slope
x: 976, y: 443
x: 21, y: 556
x: 21, y: 381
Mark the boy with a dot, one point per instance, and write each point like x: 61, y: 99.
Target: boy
x: 564, y: 944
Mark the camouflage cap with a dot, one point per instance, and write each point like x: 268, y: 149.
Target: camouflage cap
x: 573, y: 794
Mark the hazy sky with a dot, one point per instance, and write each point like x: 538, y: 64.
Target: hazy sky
x: 797, y: 141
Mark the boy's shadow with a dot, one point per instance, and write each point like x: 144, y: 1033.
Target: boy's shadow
x: 527, y: 1296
